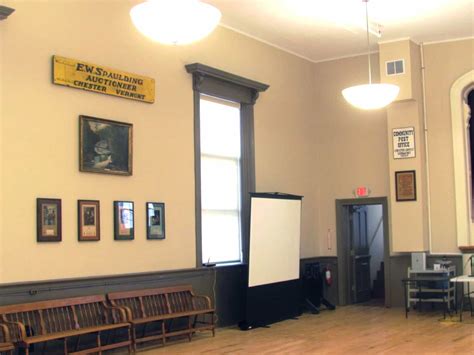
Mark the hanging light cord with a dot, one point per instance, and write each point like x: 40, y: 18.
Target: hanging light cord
x: 368, y: 40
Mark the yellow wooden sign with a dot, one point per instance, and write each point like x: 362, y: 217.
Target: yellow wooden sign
x: 97, y: 78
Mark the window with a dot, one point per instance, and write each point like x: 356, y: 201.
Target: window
x: 470, y: 103
x: 395, y: 67
x: 220, y: 180
x: 224, y: 162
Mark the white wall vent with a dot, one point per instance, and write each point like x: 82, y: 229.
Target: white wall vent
x: 395, y: 67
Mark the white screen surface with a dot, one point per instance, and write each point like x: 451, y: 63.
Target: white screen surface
x: 275, y: 226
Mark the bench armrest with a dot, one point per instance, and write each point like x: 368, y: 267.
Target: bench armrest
x: 116, y: 314
x: 201, y: 302
x: 128, y: 312
x: 16, y: 330
x: 6, y: 333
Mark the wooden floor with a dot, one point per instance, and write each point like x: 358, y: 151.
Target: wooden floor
x: 348, y: 330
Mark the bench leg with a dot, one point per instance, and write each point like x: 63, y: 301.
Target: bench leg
x: 163, y: 332
x: 76, y: 346
x: 213, y: 325
x: 131, y: 349
x: 134, y: 338
x: 470, y: 303
x: 190, y: 334
x: 99, y: 344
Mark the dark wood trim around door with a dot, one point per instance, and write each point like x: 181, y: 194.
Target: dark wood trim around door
x: 341, y: 227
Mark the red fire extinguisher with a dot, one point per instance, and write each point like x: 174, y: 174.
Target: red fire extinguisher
x: 327, y: 276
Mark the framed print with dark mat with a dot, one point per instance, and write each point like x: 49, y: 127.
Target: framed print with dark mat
x: 48, y: 220
x: 124, y: 220
x: 88, y: 220
x: 405, y: 185
x: 155, y: 220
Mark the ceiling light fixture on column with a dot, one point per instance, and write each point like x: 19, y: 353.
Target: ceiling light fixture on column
x: 370, y: 96
x: 175, y: 21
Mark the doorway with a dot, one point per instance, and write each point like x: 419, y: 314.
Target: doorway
x: 363, y: 251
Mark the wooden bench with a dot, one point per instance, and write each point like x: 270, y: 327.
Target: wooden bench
x: 161, y: 306
x: 5, y: 344
x: 42, y: 322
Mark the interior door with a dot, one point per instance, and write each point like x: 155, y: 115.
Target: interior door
x: 359, y: 254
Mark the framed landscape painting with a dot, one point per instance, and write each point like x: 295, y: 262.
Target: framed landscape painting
x: 105, y: 146
x: 155, y: 220
x: 124, y: 220
x: 88, y: 220
x: 48, y: 220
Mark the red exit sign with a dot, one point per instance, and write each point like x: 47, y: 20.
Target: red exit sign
x: 362, y: 191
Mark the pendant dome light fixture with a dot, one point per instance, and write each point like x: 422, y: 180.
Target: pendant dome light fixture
x: 175, y: 22
x: 370, y: 96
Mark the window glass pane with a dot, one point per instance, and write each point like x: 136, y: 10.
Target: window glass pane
x: 220, y: 180
x: 399, y: 66
x: 220, y: 128
x: 390, y: 68
x: 219, y: 183
x: 220, y: 236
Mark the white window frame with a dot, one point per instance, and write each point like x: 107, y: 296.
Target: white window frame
x: 237, y: 160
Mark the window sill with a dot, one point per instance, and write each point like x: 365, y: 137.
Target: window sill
x: 223, y: 265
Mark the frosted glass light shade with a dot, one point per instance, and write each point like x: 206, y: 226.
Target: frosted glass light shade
x: 371, y: 96
x: 175, y: 21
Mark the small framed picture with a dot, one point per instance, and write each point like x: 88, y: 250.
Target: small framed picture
x: 105, y: 146
x: 124, y: 220
x: 48, y: 220
x: 88, y: 220
x: 155, y: 220
x: 405, y: 185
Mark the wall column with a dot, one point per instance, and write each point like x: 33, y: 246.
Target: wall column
x: 409, y: 219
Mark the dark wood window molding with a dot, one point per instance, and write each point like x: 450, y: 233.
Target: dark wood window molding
x: 214, y: 82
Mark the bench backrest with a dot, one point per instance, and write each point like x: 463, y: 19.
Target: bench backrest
x: 46, y: 317
x: 155, y: 302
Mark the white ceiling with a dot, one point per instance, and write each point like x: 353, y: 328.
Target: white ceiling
x: 321, y: 30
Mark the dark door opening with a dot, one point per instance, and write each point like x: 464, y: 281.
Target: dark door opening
x: 363, y: 251
x: 359, y: 254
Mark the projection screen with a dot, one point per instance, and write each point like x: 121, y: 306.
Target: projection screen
x: 275, y: 226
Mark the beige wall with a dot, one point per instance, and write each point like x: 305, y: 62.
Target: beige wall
x: 309, y: 141
x: 351, y: 143
x: 39, y: 133
x: 444, y: 63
